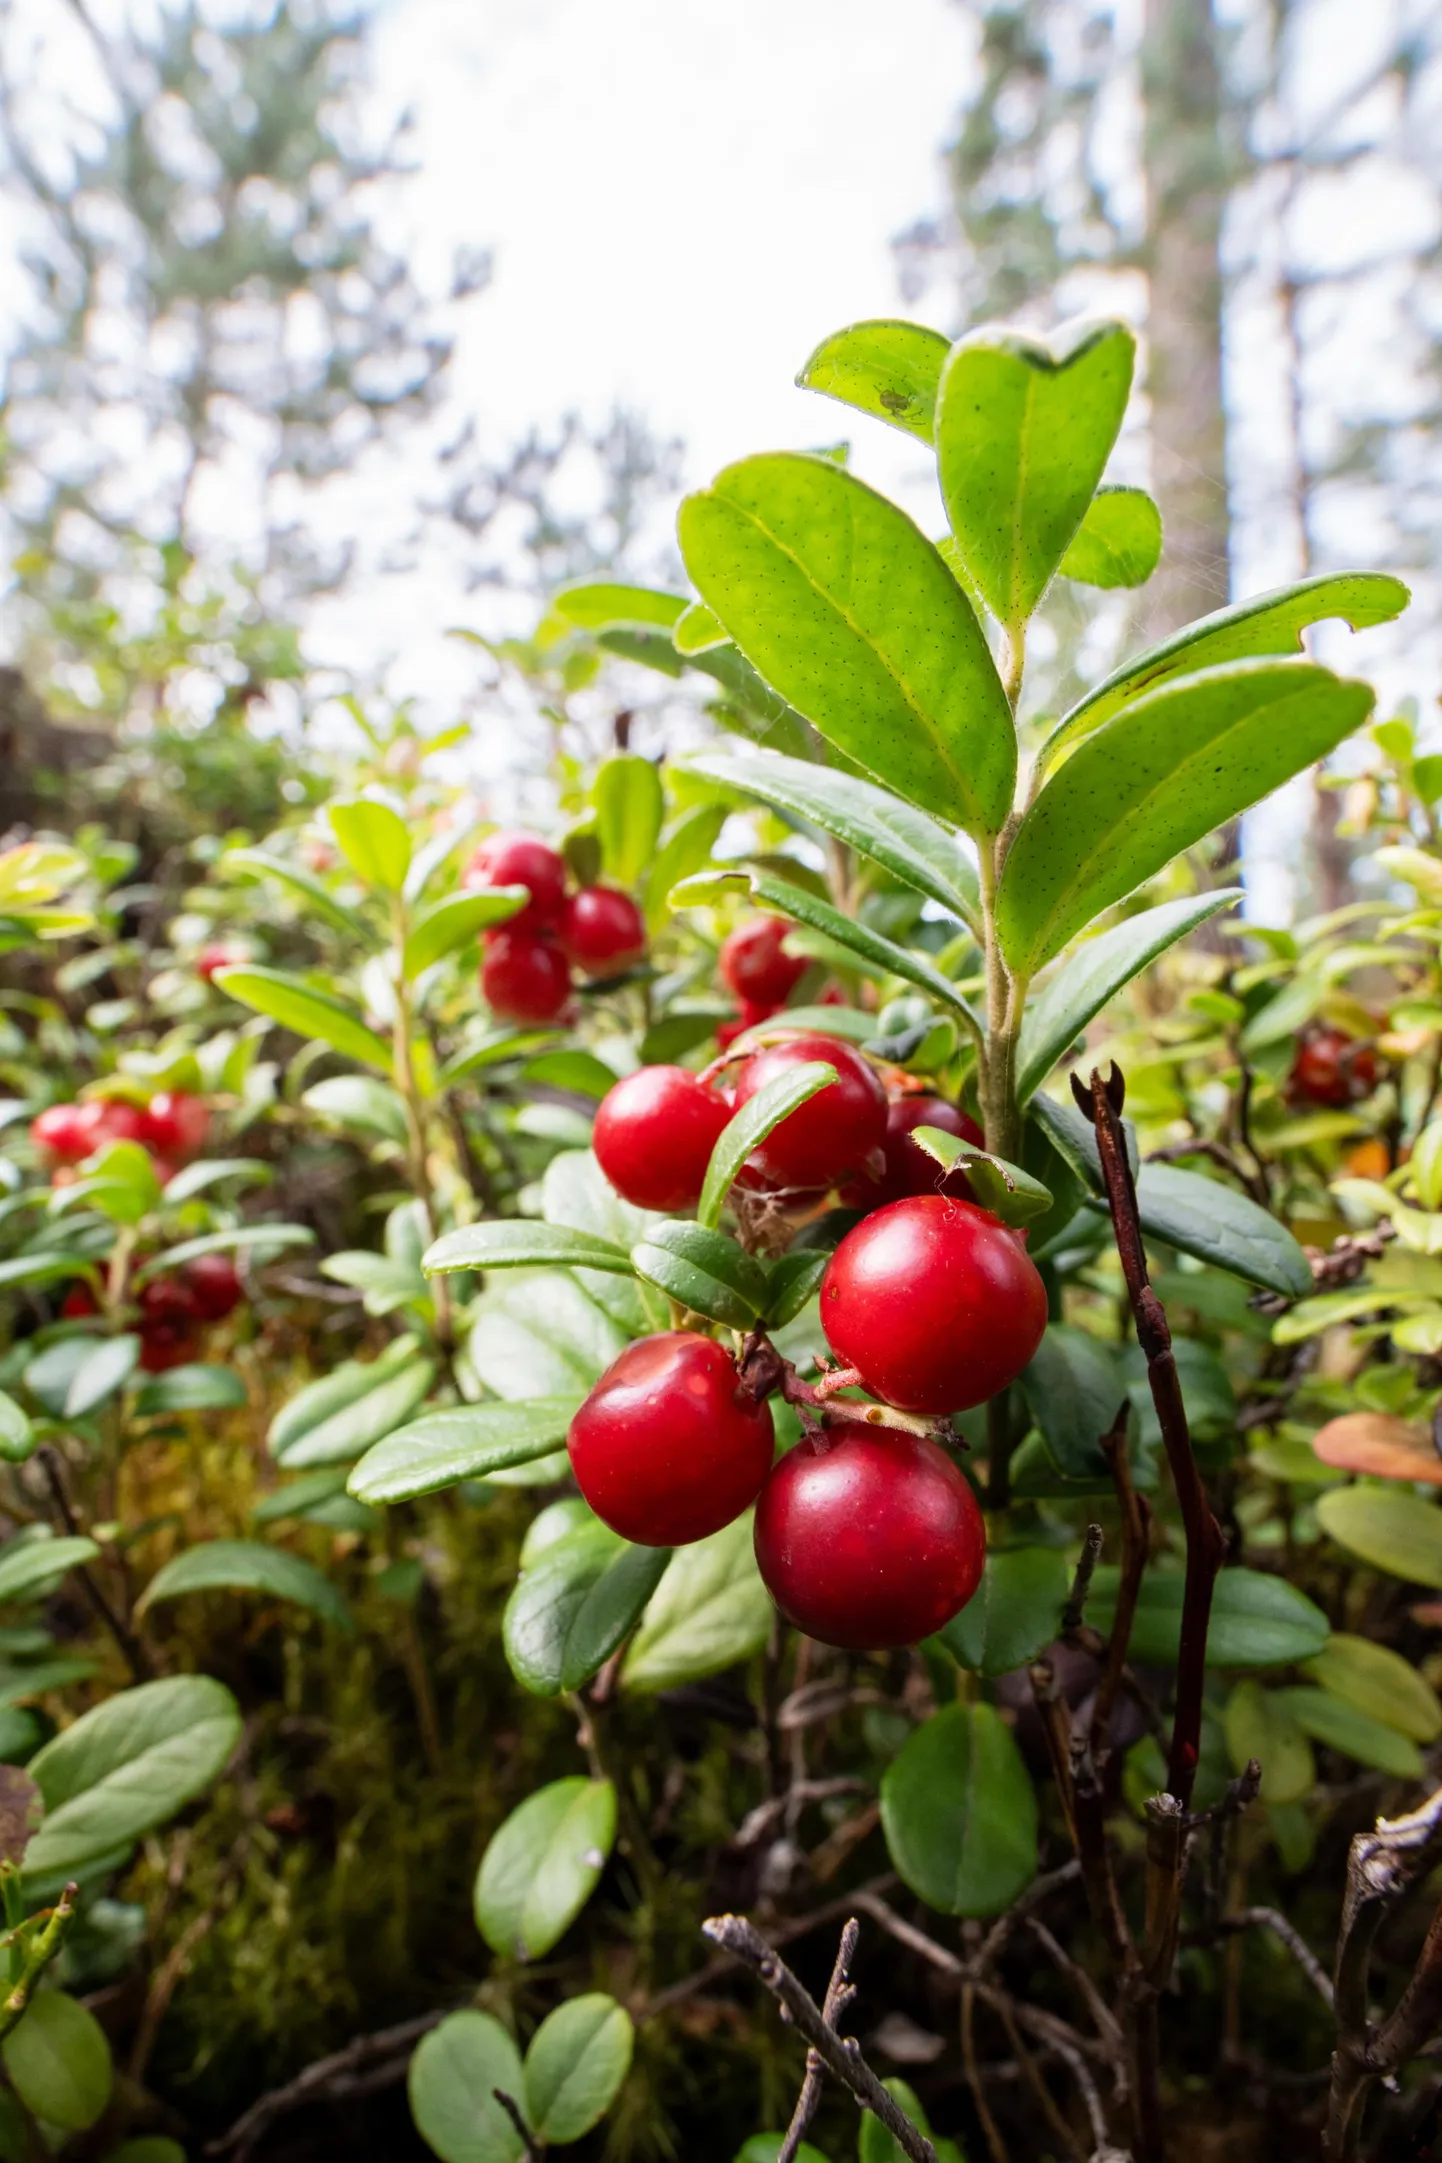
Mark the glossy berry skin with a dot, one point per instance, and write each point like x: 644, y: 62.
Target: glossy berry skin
x: 909, y: 1170
x: 832, y: 1133
x: 935, y: 1302
x: 751, y: 1016
x: 213, y: 1285
x: 167, y: 1344
x: 753, y: 966
x: 667, y: 1449
x: 654, y: 1135
x: 869, y: 1537
x: 524, y: 978
x: 175, y: 1125
x: 602, y: 931
x: 515, y: 858
x: 1333, y: 1069
x: 63, y: 1133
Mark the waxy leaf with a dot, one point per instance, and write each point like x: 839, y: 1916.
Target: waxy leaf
x: 959, y: 1812
x: 578, y: 2058
x: 31, y: 1566
x: 467, y: 1443
x: 541, y: 1866
x: 1379, y: 1682
x: 1165, y: 772
x: 1094, y: 972
x: 190, y: 1388
x: 889, y: 369
x: 307, y: 1012
x: 248, y: 1566
x: 122, y: 1769
x: 375, y: 842
x: 1257, y: 1620
x: 456, y: 922
x: 751, y: 1125
x: 1393, y: 1530
x: 1118, y: 543
x: 894, y: 834
x: 1003, y: 1188
x: 514, y: 1243
x: 1074, y: 1389
x: 1258, y: 1725
x: 847, y: 609
x: 1015, y: 1612
x: 1270, y: 623
x: 629, y: 809
x: 572, y: 1607
x: 697, y: 630
x: 451, y: 2085
x: 346, y: 1413
x: 1024, y: 428
x: 790, y: 1283
x: 704, y: 1270
x: 317, y: 897
x: 597, y: 604
x: 58, y: 2061
x: 540, y: 1334
x: 709, y: 1611
x: 1342, y: 1726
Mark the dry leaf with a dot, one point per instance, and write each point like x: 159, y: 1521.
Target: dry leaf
x: 1380, y: 1444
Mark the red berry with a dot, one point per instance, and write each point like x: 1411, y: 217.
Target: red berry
x: 935, y: 1302
x: 211, y: 958
x: 79, y: 1302
x: 524, y: 978
x: 751, y: 1016
x: 514, y: 858
x: 1332, y: 1068
x: 175, y: 1125
x: 869, y: 1537
x: 753, y: 966
x: 909, y: 1170
x: 166, y: 1344
x: 654, y: 1135
x: 831, y: 1133
x: 166, y: 1300
x: 63, y: 1132
x: 214, y: 1287
x: 667, y: 1448
x: 602, y: 931
x: 110, y: 1119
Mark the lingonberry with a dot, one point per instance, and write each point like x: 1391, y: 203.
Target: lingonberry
x: 668, y: 1447
x: 934, y: 1302
x: 869, y: 1537
x: 751, y: 1016
x: 654, y: 1135
x: 214, y: 1286
x: 602, y: 931
x: 524, y: 978
x: 217, y: 956
x: 908, y: 1169
x: 168, y: 1324
x: 753, y: 966
x: 1332, y: 1068
x: 62, y: 1132
x: 514, y: 858
x: 175, y: 1125
x: 833, y: 1132
x: 79, y: 1301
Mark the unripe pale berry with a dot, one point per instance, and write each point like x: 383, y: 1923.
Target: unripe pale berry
x: 524, y: 978
x: 515, y: 858
x: 935, y: 1302
x: 668, y: 1447
x: 654, y: 1135
x: 832, y: 1133
x: 602, y: 931
x: 753, y: 966
x: 868, y: 1537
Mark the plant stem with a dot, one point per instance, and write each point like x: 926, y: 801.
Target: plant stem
x: 417, y: 1155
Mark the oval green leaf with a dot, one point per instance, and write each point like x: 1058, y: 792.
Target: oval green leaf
x: 542, y: 1866
x: 58, y: 2061
x: 1257, y: 1620
x: 889, y: 369
x: 576, y: 2063
x: 309, y: 1013
x: 1014, y: 1613
x: 704, y: 1270
x: 709, y: 1611
x: 35, y: 1566
x: 598, y: 604
x: 451, y: 2085
x: 1356, y: 1734
x: 1258, y: 1725
x: 1379, y: 1682
x: 456, y: 922
x: 248, y: 1566
x: 467, y: 1443
x: 570, y: 1609
x: 515, y: 1243
x: 374, y: 841
x: 751, y: 1125
x: 1390, y: 1528
x: 629, y: 810
x: 1118, y: 543
x: 959, y: 1812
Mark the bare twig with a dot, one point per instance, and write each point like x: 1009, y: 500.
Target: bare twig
x: 839, y: 1993
x: 368, y: 2063
x: 996, y: 2146
x: 841, y: 2055
x: 1288, y: 1935
x: 1136, y: 1530
x: 1081, y: 1584
x: 512, y: 2110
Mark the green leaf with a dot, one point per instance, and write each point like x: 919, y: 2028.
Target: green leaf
x: 704, y: 1270
x: 1005, y: 1189
x: 913, y: 847
x: 578, y: 1070
x: 576, y: 2063
x: 1270, y: 623
x: 513, y: 1243
x: 597, y: 604
x: 58, y: 2061
x: 1165, y: 772
x: 239, y: 1238
x: 1259, y: 1725
x: 1257, y: 1620
x: 248, y: 1566
x: 33, y: 1566
x: 126, y: 1766
x: 847, y: 609
x: 1015, y: 1612
x: 1331, y: 1720
x: 876, y: 2145
x: 542, y: 1866
x: 709, y: 1611
x: 751, y: 1125
x: 1118, y: 543
x: 492, y: 1048
x: 311, y: 891
x: 1074, y: 1389
x: 682, y: 852
x: 1094, y: 972
x: 314, y: 1014
x: 374, y: 842
x: 104, y: 1370
x: 468, y: 1443
x: 1378, y: 1681
x: 790, y: 1282
x: 765, y: 2147
x: 1024, y: 428
x: 344, y: 1413
x: 1391, y: 1528
x: 629, y: 809
x: 888, y: 369
x: 17, y: 1437
x: 451, y: 2086
x: 959, y: 1813
x: 696, y: 630
x: 574, y: 1605
x: 192, y: 1388
x: 456, y: 922
x: 539, y: 1334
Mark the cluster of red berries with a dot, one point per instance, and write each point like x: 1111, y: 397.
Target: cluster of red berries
x: 867, y: 1533
x: 172, y: 1126
x: 1332, y: 1069
x: 173, y: 1309
x: 526, y: 965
